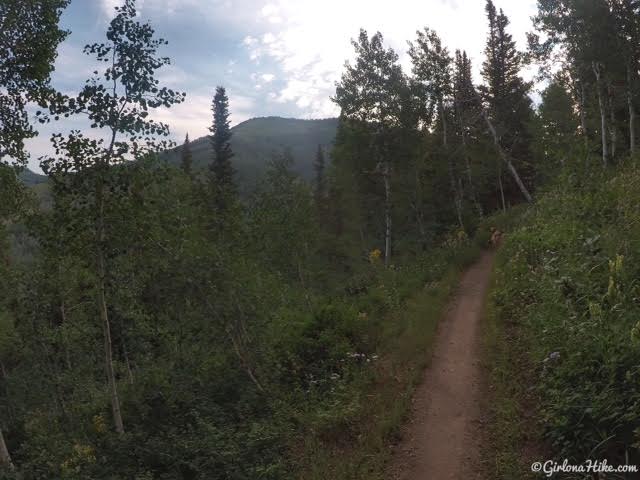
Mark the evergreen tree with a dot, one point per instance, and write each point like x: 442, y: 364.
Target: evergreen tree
x: 221, y: 169
x: 186, y: 160
x: 467, y: 111
x: 558, y: 127
x: 506, y: 94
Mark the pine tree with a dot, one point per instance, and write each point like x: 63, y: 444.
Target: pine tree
x: 186, y: 161
x: 505, y: 92
x: 558, y: 124
x: 507, y: 97
x: 221, y: 170
x: 467, y: 110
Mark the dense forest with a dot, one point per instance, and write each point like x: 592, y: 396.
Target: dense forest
x: 161, y: 320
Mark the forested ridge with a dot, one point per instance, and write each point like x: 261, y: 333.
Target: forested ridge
x: 157, y: 322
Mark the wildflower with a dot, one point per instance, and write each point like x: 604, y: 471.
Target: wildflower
x: 615, y: 266
x: 595, y: 310
x: 612, y: 289
x: 99, y: 424
x: 375, y: 255
x: 554, y: 356
x: 635, y: 333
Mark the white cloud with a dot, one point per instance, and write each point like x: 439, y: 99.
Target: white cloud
x: 210, y: 8
x: 271, y: 13
x: 108, y: 7
x: 310, y: 42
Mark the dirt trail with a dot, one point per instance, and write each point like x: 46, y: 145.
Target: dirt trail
x: 442, y: 440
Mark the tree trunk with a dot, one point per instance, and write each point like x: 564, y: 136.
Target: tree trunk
x: 127, y: 362
x: 632, y: 112
x: 245, y: 363
x: 104, y: 313
x: 505, y: 158
x: 416, y: 204
x: 583, y: 115
x: 603, y: 114
x: 387, y: 212
x: 612, y: 125
x: 501, y: 189
x: 443, y: 120
x: 472, y: 189
x: 5, y: 457
x: 582, y: 105
x: 457, y: 197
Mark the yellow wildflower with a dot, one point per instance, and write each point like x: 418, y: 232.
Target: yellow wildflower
x: 99, y: 424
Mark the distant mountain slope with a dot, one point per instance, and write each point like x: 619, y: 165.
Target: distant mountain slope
x: 31, y: 179
x: 255, y: 141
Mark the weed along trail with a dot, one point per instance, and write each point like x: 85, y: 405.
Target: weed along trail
x: 442, y: 439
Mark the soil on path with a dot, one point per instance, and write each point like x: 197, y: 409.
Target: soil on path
x: 442, y: 439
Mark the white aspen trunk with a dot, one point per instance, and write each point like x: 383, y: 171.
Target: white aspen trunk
x: 418, y: 211
x: 104, y: 313
x: 583, y: 114
x: 603, y: 114
x: 472, y: 189
x: 457, y: 197
x: 244, y: 362
x: 102, y: 268
x: 128, y: 363
x: 505, y: 158
x: 387, y: 212
x: 5, y: 457
x: 501, y: 188
x: 632, y: 112
x: 583, y: 124
x: 612, y: 124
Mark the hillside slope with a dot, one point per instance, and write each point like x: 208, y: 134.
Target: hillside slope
x: 255, y: 141
x: 31, y: 178
x: 565, y: 309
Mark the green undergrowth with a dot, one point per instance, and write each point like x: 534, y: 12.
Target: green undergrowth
x: 512, y: 437
x: 562, y: 329
x: 365, y: 420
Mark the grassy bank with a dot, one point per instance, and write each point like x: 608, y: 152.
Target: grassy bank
x: 513, y: 437
x: 561, y: 336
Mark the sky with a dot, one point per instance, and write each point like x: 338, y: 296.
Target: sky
x: 275, y: 57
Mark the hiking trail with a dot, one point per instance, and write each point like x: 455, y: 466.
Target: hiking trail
x: 442, y: 439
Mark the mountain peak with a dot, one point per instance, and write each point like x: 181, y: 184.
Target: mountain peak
x: 256, y: 140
